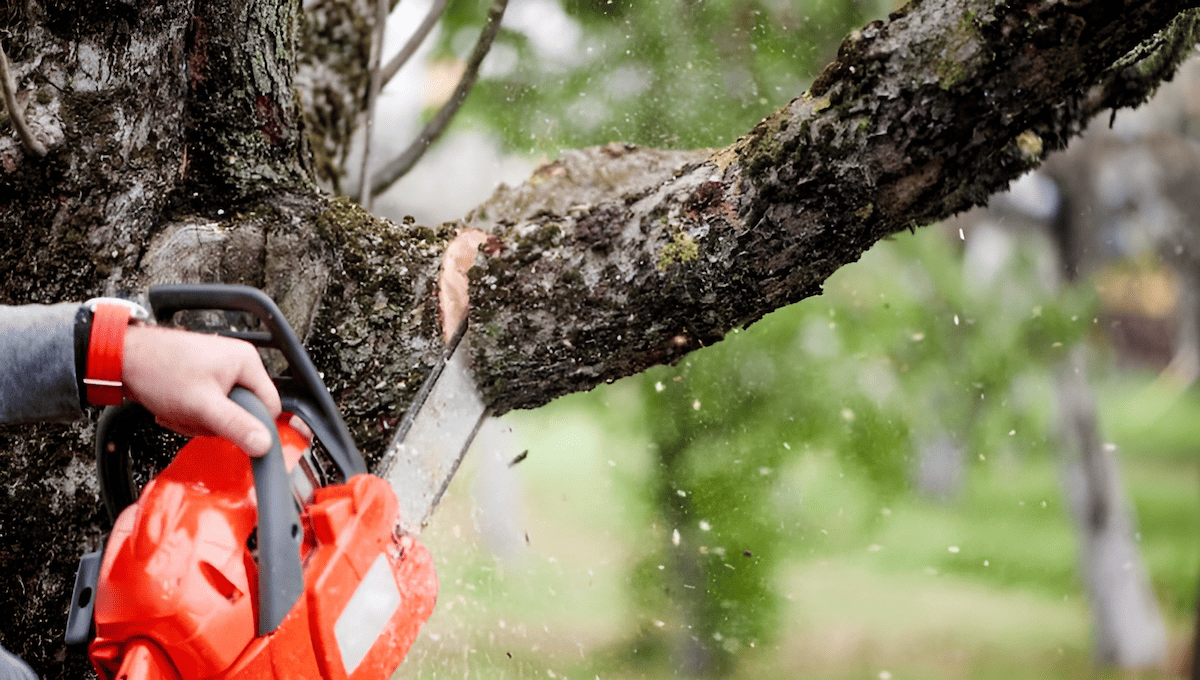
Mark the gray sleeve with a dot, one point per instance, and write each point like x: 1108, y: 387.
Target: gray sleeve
x: 37, y: 363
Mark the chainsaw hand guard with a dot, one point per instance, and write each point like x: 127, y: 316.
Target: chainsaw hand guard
x: 280, y: 576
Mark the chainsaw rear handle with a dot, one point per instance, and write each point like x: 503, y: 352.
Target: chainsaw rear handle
x: 303, y: 393
x: 280, y: 574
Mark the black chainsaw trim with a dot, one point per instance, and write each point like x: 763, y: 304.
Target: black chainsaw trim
x: 120, y: 431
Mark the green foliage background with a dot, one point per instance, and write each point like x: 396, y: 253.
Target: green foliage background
x: 782, y: 458
x: 681, y: 74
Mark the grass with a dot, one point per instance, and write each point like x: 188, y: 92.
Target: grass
x: 852, y: 620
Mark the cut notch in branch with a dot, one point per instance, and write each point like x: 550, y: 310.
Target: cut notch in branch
x: 395, y: 169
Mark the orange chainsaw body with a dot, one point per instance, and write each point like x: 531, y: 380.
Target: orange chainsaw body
x: 177, y: 593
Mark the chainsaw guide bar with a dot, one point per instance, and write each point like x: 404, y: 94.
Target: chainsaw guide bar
x: 434, y: 435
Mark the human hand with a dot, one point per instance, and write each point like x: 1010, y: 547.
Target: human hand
x: 184, y: 379
x: 453, y: 282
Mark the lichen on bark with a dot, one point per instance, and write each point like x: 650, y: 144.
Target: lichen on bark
x: 377, y: 333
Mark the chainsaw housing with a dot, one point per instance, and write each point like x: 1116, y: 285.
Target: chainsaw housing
x: 179, y: 577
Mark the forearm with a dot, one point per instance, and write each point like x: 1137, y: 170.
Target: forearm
x: 37, y: 363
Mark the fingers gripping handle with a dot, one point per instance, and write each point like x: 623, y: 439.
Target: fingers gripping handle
x: 308, y: 392
x: 280, y: 575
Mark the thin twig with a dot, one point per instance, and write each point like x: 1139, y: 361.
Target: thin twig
x: 16, y: 112
x: 381, y: 16
x: 397, y: 62
x: 397, y: 168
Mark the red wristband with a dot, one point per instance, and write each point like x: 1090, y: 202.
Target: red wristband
x: 106, y: 354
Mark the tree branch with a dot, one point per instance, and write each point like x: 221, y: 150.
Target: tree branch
x: 1135, y: 77
x: 397, y: 168
x: 16, y: 112
x: 606, y: 262
x: 414, y: 41
x: 381, y: 15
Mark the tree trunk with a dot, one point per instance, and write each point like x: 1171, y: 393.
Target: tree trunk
x: 179, y: 150
x: 1127, y: 624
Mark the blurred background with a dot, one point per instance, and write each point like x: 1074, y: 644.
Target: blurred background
x: 974, y: 456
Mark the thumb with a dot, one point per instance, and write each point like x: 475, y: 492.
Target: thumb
x: 257, y: 442
x: 235, y: 424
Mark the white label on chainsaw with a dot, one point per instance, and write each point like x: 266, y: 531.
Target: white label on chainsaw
x: 367, y: 613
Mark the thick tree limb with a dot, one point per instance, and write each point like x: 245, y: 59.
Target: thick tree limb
x: 919, y: 118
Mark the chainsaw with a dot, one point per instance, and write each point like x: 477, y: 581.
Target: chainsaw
x: 292, y: 565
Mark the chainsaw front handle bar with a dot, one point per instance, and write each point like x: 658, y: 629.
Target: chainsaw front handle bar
x: 280, y: 574
x: 303, y: 393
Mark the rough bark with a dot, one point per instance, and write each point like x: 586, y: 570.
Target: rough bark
x: 177, y: 150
